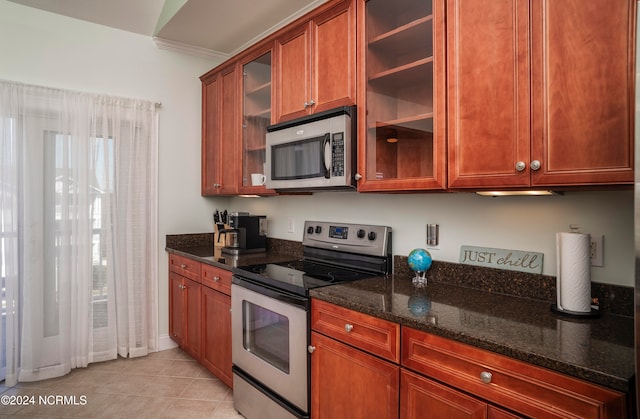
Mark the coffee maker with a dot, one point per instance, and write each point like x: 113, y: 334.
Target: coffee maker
x: 247, y: 234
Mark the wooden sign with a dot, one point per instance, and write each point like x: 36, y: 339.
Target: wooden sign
x: 512, y: 260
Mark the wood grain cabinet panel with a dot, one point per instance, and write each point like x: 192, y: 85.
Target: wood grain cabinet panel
x: 506, y: 382
x: 315, y: 63
x: 220, y: 132
x: 371, y: 334
x: 184, y: 313
x: 540, y: 93
x: 216, y: 334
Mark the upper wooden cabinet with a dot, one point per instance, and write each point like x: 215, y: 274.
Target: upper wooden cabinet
x: 316, y: 63
x: 540, y: 92
x: 257, y: 103
x: 220, y: 124
x: 401, y: 95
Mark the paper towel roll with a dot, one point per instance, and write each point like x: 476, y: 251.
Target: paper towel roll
x: 573, y: 281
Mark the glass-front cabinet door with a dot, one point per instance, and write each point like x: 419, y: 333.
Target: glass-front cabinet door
x: 256, y: 116
x: 401, y: 142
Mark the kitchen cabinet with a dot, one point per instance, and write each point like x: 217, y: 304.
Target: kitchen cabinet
x: 257, y: 103
x: 507, y: 383
x: 184, y: 309
x: 220, y: 124
x: 422, y: 398
x: 401, y: 95
x: 347, y: 373
x: 316, y: 62
x: 200, y: 313
x: 216, y: 322
x: 540, y: 93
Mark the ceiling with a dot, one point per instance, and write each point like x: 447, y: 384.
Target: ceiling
x: 217, y: 28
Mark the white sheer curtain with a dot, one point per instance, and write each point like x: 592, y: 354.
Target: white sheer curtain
x: 78, y: 231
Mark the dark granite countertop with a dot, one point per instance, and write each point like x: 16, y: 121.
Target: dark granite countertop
x: 598, y: 350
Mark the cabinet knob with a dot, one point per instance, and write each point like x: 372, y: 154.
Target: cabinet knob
x: 486, y: 376
x: 216, y: 278
x: 535, y: 165
x: 183, y: 266
x: 306, y: 105
x: 312, y: 102
x: 348, y: 328
x: 520, y: 166
x: 311, y: 348
x: 357, y: 176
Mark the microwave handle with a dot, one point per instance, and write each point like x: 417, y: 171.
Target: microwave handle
x: 326, y: 155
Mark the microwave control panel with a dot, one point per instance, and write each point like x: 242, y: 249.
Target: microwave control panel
x: 337, y: 153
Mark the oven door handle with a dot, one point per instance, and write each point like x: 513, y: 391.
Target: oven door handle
x: 263, y: 289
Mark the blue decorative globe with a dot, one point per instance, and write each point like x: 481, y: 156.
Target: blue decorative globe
x: 419, y: 260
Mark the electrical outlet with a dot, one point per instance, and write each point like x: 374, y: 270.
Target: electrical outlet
x: 597, y: 250
x: 291, y: 225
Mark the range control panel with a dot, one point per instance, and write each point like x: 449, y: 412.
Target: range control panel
x: 355, y: 238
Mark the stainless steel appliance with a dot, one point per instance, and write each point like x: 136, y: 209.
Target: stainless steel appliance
x: 270, y: 314
x: 317, y: 151
x: 246, y: 233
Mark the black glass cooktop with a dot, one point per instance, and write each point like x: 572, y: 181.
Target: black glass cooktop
x: 298, y: 276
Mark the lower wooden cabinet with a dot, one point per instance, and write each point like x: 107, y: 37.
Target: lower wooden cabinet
x: 515, y: 385
x: 216, y: 334
x: 184, y: 318
x: 424, y: 398
x: 348, y: 382
x: 200, y: 313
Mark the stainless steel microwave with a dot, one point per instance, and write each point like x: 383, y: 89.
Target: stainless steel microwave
x: 314, y: 152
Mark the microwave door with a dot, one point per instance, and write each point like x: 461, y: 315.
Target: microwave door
x: 298, y: 160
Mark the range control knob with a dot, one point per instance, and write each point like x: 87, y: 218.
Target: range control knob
x: 318, y: 229
x: 372, y: 235
x: 310, y: 230
x: 361, y: 234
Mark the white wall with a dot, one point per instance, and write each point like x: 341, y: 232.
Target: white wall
x: 41, y: 48
x: 517, y: 222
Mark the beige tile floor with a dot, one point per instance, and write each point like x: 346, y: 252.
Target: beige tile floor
x: 166, y: 384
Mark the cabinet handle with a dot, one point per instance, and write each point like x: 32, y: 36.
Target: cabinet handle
x: 311, y: 348
x: 306, y: 105
x: 312, y: 102
x: 485, y: 376
x: 357, y: 176
x: 520, y: 166
x: 183, y: 266
x: 348, y: 328
x: 216, y: 278
x: 535, y: 165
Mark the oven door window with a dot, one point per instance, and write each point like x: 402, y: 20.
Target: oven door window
x: 266, y: 335
x: 302, y: 159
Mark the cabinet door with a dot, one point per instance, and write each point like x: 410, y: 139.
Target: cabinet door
x: 176, y: 308
x: 256, y: 116
x: 583, y: 91
x: 334, y: 57
x: 401, y: 142
x: 316, y: 63
x: 293, y: 69
x: 216, y: 334
x: 348, y: 381
x: 192, y: 293
x: 489, y: 93
x: 220, y: 139
x: 423, y: 398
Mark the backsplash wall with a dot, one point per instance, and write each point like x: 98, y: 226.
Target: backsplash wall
x: 517, y: 222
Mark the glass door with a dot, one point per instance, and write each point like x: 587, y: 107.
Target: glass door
x: 403, y: 62
x: 256, y: 116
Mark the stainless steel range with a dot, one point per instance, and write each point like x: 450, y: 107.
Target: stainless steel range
x: 270, y: 314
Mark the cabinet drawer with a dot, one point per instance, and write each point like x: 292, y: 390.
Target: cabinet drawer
x: 184, y: 266
x: 371, y: 334
x: 216, y: 278
x: 516, y: 385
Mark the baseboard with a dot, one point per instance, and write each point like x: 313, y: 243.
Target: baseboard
x: 165, y: 342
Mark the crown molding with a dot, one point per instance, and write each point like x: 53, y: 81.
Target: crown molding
x: 169, y: 45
